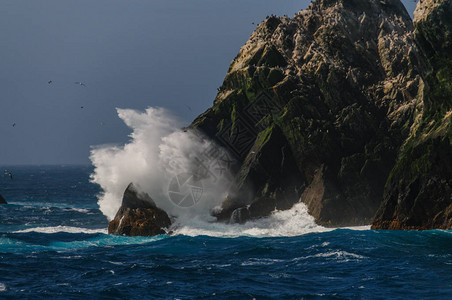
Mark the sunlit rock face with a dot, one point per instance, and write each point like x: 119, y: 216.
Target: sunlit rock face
x: 418, y: 193
x: 315, y: 109
x: 139, y: 216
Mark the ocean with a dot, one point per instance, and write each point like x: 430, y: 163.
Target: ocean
x: 54, y: 244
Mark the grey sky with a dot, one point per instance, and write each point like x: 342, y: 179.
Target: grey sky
x: 130, y: 54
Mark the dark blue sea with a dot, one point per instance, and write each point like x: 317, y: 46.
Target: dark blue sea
x: 53, y: 244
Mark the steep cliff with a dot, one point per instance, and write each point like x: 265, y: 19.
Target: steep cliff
x: 418, y: 193
x: 316, y: 107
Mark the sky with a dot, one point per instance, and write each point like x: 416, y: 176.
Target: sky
x: 128, y: 54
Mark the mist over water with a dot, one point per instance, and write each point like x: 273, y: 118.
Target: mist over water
x: 162, y: 158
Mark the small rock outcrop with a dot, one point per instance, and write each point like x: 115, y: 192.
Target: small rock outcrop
x: 2, y: 200
x: 138, y: 216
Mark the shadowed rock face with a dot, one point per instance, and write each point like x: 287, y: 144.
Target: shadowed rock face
x: 315, y: 108
x: 418, y: 193
x: 2, y: 200
x: 138, y: 216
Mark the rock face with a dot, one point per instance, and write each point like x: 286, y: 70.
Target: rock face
x: 138, y: 216
x: 418, y: 193
x: 315, y: 108
x: 346, y: 107
x: 2, y: 200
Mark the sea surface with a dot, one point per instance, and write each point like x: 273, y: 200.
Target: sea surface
x: 54, y: 244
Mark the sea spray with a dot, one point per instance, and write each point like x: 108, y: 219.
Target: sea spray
x: 160, y: 157
x: 172, y: 165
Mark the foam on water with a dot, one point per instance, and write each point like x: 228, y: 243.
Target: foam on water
x: 68, y: 229
x: 292, y: 222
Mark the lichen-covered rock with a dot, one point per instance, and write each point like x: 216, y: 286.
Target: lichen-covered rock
x: 418, y: 193
x: 315, y: 108
x: 138, y: 216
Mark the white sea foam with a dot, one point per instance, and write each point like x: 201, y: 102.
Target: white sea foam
x: 67, y: 229
x: 340, y: 255
x: 293, y: 222
x: 80, y: 210
x: 358, y: 228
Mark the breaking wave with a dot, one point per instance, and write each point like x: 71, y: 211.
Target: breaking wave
x: 160, y: 155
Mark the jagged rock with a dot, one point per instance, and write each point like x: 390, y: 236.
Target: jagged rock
x: 418, y: 193
x: 2, y: 200
x: 138, y: 216
x: 317, y: 106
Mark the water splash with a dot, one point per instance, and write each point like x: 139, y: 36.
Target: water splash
x: 158, y: 155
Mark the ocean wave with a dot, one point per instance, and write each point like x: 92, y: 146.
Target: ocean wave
x: 80, y: 210
x: 68, y: 229
x: 293, y: 222
x: 358, y: 228
x: 48, y: 206
x: 340, y: 255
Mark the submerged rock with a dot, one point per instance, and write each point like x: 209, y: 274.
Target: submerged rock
x: 138, y: 216
x: 2, y: 200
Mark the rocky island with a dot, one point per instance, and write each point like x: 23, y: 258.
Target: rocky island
x: 346, y: 107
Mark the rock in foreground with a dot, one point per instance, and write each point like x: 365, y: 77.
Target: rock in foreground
x: 2, y: 200
x: 138, y: 216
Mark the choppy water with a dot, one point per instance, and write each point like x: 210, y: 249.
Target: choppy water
x: 53, y: 244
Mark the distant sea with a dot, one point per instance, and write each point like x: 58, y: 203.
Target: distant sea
x: 54, y: 244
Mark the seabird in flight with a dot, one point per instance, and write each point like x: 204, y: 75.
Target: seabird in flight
x: 14, y: 124
x: 49, y: 82
x: 80, y: 83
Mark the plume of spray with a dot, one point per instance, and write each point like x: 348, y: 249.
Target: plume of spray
x: 158, y: 157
